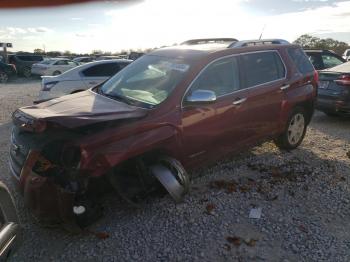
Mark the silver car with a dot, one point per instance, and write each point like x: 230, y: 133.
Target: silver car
x: 79, y: 78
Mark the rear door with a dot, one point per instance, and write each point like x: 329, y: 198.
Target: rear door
x: 96, y: 74
x: 265, y: 78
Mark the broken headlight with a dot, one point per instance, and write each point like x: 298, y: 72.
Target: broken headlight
x: 28, y: 123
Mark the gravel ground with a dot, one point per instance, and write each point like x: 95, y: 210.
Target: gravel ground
x: 304, y: 198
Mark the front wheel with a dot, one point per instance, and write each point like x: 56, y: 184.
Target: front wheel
x: 27, y: 72
x: 295, y: 130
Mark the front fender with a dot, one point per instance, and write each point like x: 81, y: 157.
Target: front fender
x: 100, y: 160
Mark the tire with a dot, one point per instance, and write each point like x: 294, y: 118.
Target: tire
x: 3, y: 77
x: 56, y: 73
x: 295, y: 130
x: 7, y: 206
x: 27, y: 72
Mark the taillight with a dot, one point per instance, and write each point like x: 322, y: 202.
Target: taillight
x: 343, y: 80
x: 48, y: 86
x: 13, y: 66
x: 316, y: 76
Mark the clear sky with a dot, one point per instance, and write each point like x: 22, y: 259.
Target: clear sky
x: 116, y: 25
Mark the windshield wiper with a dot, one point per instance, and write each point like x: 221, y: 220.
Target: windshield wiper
x: 119, y: 98
x: 114, y: 96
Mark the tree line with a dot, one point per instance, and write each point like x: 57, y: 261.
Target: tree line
x: 305, y: 41
x: 312, y: 42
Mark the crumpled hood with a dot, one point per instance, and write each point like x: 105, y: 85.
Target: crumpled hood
x: 83, y: 108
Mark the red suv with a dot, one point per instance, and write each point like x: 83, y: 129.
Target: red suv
x: 171, y: 110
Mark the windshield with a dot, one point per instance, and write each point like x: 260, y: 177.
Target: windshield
x: 150, y: 79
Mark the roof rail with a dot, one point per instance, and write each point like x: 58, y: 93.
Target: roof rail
x: 259, y: 42
x: 209, y: 40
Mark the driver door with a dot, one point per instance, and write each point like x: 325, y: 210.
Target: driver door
x: 211, y: 129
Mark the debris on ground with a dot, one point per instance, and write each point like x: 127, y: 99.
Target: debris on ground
x: 210, y: 209
x: 255, y: 213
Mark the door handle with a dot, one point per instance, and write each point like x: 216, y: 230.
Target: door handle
x: 284, y: 87
x: 239, y: 101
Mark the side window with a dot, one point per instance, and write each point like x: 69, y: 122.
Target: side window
x: 301, y: 60
x: 37, y: 58
x: 262, y: 68
x: 72, y: 63
x: 108, y: 69
x: 23, y: 57
x: 222, y: 77
x: 330, y: 61
x: 61, y: 62
x: 316, y: 60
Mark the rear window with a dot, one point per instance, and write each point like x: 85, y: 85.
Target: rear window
x: 262, y: 67
x: 301, y: 60
x: 107, y: 70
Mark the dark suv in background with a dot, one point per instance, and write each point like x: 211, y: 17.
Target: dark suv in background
x: 171, y: 110
x: 7, y: 71
x: 24, y: 62
x: 322, y: 59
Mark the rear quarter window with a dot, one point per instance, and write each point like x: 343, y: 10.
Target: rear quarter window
x: 300, y: 60
x: 102, y: 70
x: 262, y: 67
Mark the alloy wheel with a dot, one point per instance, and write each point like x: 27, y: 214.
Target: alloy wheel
x: 26, y: 72
x: 296, y: 129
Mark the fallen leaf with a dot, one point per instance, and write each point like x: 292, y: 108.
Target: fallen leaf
x: 231, y: 188
x: 210, y: 208
x: 275, y: 172
x: 303, y: 229
x: 251, y: 242
x: 234, y: 240
x: 99, y: 235
x: 244, y: 188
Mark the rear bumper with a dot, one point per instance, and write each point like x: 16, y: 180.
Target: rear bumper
x: 333, y: 105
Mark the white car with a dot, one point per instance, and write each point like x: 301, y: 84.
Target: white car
x: 53, y: 67
x: 79, y: 79
x: 346, y: 55
x: 83, y: 59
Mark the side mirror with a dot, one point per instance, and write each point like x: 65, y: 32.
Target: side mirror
x: 201, y: 96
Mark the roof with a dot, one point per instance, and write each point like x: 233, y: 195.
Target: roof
x: 318, y: 50
x: 196, y: 52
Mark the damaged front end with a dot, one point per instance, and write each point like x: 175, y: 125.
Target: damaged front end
x: 46, y: 159
x: 46, y: 165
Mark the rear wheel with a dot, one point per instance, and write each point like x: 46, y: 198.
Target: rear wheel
x: 56, y: 73
x: 27, y: 72
x: 294, y: 132
x: 3, y: 77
